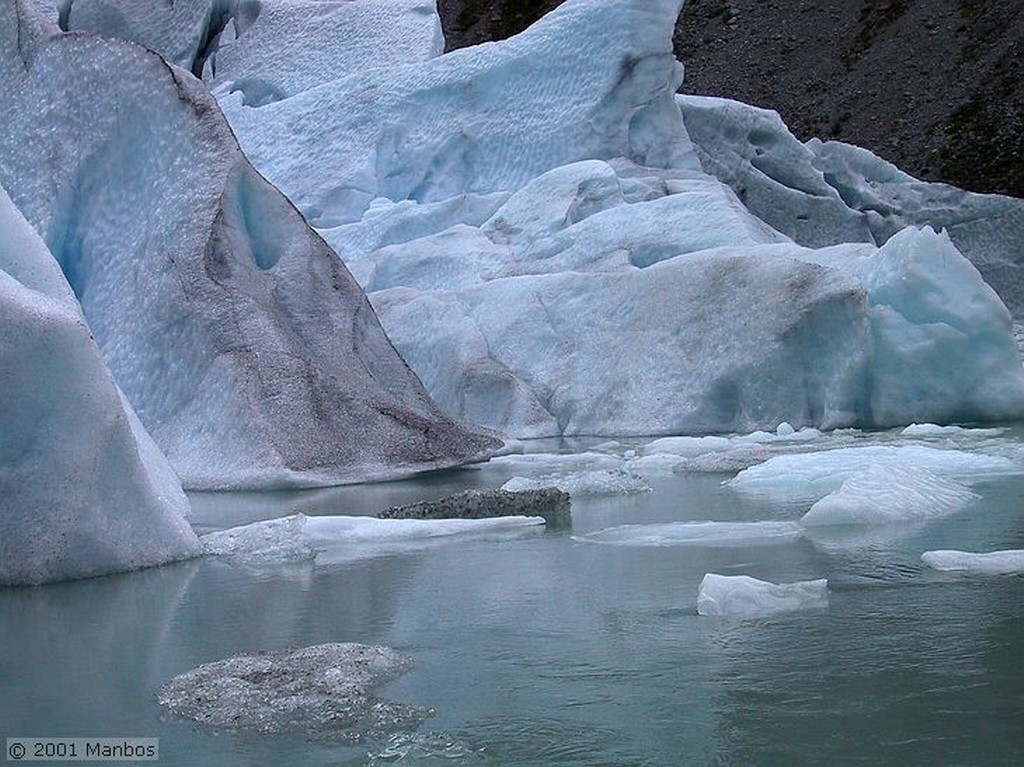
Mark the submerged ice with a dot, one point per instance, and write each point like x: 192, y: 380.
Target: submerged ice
x: 1006, y: 562
x: 742, y: 596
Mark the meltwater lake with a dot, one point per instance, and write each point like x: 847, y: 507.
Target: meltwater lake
x: 580, y: 646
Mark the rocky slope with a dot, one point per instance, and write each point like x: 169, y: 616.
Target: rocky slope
x: 934, y: 86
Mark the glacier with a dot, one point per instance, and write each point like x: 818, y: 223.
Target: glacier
x: 85, y: 491
x: 556, y: 244
x: 553, y: 253
x: 247, y: 350
x: 824, y: 193
x: 542, y: 242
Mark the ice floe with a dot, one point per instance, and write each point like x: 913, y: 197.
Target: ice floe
x: 890, y: 493
x: 300, y: 537
x: 742, y: 596
x: 814, y: 475
x: 1006, y: 562
x: 711, y: 534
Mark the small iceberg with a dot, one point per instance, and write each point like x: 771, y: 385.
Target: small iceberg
x: 1006, y: 562
x: 745, y: 597
x: 298, y: 537
x: 696, y: 534
x: 887, y: 494
x: 583, y: 483
x: 815, y: 475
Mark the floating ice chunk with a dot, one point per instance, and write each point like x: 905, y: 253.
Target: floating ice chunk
x: 334, y: 530
x: 890, y: 493
x: 815, y: 475
x: 745, y: 597
x: 324, y: 692
x: 931, y: 430
x: 582, y: 483
x: 85, y: 491
x: 785, y: 429
x: 556, y: 463
x: 687, y: 446
x: 300, y: 537
x: 697, y: 534
x: 656, y: 464
x: 1007, y: 562
x: 276, y: 539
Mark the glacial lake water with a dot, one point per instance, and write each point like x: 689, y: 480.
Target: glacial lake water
x: 536, y: 648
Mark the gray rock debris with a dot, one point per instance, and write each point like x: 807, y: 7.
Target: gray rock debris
x: 548, y: 502
x: 322, y: 691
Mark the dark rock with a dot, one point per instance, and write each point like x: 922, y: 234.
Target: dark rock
x: 934, y: 86
x: 548, y: 502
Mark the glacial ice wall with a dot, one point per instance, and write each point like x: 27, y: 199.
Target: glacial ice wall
x: 544, y: 277
x: 536, y: 233
x: 85, y: 491
x: 823, y: 193
x: 244, y: 345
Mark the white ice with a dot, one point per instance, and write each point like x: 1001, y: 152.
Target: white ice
x: 285, y: 47
x: 478, y: 120
x: 1007, y: 562
x: 713, y: 534
x: 742, y: 596
x: 887, y: 493
x: 299, y: 537
x: 812, y: 476
x: 246, y: 348
x: 826, y: 193
x: 85, y: 491
x: 544, y: 250
x: 583, y: 483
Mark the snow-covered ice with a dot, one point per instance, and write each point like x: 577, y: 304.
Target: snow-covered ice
x: 886, y: 493
x: 246, y: 348
x: 1006, y: 562
x: 696, y: 534
x: 742, y: 596
x: 85, y: 491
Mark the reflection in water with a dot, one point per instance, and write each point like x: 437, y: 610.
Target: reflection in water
x: 543, y: 650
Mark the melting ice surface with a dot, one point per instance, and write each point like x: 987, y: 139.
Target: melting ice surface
x: 542, y: 649
x: 741, y: 596
x: 989, y: 563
